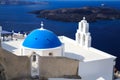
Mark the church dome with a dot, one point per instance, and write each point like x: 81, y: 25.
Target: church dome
x: 41, y: 39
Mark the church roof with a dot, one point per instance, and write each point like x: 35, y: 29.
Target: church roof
x: 41, y: 39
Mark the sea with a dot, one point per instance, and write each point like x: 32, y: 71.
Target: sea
x: 105, y: 33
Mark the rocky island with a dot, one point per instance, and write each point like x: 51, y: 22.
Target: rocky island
x: 76, y: 14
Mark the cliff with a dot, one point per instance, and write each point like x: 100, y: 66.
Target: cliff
x: 76, y: 14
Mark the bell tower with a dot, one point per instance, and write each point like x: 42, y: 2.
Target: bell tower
x: 83, y: 37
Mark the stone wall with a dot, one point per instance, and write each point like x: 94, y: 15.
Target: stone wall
x: 58, y: 67
x: 14, y: 66
x: 18, y: 67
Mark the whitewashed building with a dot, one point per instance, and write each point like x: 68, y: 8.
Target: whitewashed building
x: 93, y: 63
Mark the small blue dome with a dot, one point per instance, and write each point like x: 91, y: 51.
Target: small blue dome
x: 41, y: 39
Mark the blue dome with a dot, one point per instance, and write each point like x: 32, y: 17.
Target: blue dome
x: 41, y: 39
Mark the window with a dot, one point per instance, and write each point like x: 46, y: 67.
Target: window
x: 34, y: 57
x: 83, y: 39
x: 81, y: 26
x: 78, y: 35
x: 50, y: 54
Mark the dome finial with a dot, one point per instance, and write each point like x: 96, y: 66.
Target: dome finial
x: 42, y: 24
x: 83, y: 18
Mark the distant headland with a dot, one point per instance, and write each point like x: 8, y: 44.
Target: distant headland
x: 76, y: 14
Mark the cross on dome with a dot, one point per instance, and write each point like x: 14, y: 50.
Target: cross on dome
x: 42, y: 25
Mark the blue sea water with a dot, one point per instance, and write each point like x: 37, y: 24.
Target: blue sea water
x: 105, y: 33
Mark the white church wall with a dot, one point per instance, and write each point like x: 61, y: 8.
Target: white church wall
x: 28, y: 52
x: 59, y: 51
x: 52, y: 52
x: 93, y: 70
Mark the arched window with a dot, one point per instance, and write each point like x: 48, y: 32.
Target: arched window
x: 78, y: 37
x: 83, y: 39
x: 81, y: 26
x: 34, y: 58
